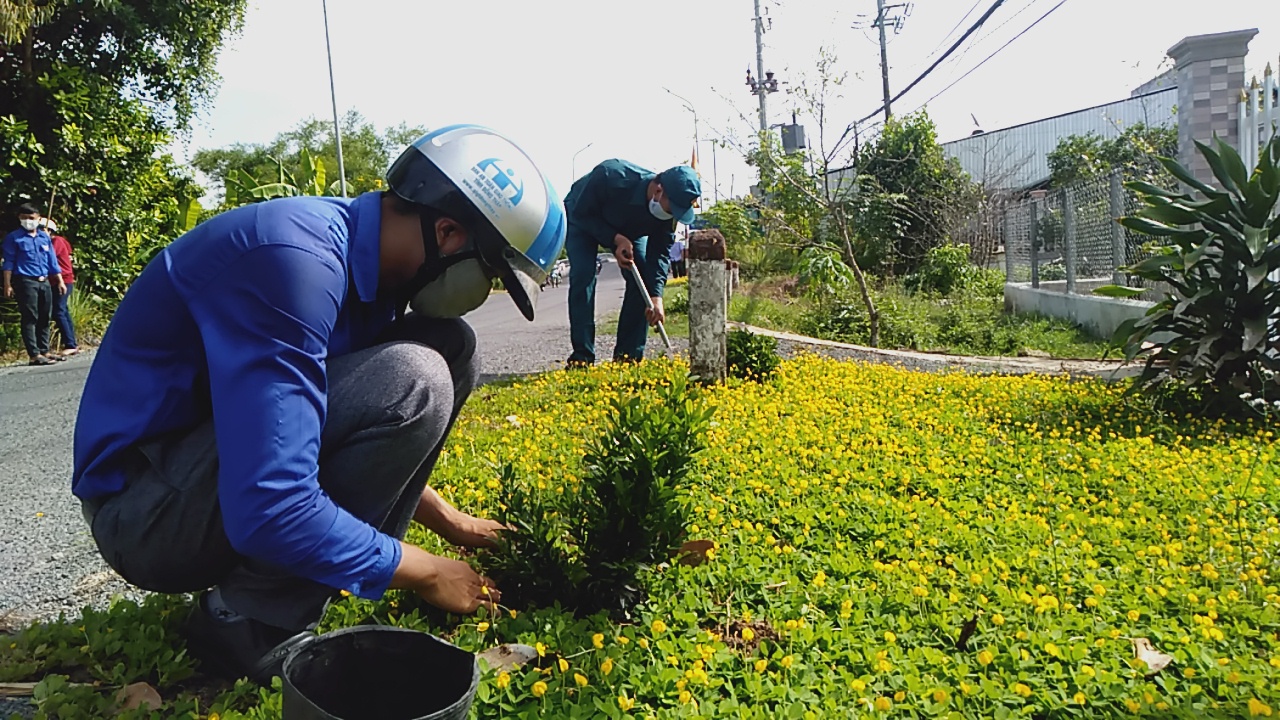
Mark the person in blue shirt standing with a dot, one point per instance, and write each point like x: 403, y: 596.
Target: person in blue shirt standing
x: 263, y: 415
x: 631, y: 212
x: 31, y: 273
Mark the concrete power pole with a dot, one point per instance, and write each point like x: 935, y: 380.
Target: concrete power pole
x: 884, y: 56
x: 883, y: 21
x: 764, y: 113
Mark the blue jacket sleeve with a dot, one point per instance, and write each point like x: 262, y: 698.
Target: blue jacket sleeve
x: 10, y: 251
x: 266, y: 324
x: 588, y: 210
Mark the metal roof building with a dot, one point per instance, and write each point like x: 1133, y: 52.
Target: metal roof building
x: 1017, y: 157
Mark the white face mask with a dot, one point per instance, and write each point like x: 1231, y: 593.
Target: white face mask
x: 30, y: 225
x: 461, y: 289
x: 655, y: 208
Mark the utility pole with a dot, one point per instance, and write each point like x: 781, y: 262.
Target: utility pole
x: 763, y: 83
x: 883, y: 20
x: 884, y: 56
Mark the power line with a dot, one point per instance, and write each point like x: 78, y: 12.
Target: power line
x: 976, y: 43
x: 997, y: 52
x: 959, y: 22
x: 954, y: 46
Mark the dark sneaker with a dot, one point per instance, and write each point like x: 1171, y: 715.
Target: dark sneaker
x: 40, y: 360
x: 236, y: 647
x: 572, y: 364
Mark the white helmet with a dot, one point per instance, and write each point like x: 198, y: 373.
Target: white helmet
x: 484, y: 181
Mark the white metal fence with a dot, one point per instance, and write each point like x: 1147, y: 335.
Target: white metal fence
x: 1259, y: 116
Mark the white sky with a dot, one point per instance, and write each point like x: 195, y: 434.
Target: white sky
x: 559, y: 74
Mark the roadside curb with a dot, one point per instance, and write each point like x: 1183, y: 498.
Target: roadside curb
x: 1102, y: 370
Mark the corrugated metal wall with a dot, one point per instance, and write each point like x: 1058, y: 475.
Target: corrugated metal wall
x: 1017, y: 157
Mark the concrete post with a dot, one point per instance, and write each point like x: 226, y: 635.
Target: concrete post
x: 1119, y: 254
x: 1033, y: 235
x: 1210, y: 72
x: 1069, y: 237
x: 1006, y: 240
x: 708, y: 305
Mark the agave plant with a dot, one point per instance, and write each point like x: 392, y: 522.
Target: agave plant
x: 1219, y: 327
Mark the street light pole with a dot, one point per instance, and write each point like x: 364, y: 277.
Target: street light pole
x: 697, y: 142
x: 333, y: 96
x: 575, y: 161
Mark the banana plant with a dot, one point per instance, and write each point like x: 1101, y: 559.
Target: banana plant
x: 242, y: 188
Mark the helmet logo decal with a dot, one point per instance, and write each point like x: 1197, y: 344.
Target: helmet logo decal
x: 503, y: 178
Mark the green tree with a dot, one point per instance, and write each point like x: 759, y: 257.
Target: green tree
x: 1135, y: 152
x: 366, y: 155
x: 907, y: 162
x: 92, y: 93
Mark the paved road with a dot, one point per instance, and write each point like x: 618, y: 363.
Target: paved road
x: 48, y: 563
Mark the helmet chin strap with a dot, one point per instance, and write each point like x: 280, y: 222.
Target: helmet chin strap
x: 433, y: 265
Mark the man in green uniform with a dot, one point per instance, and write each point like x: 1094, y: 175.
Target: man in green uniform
x: 631, y: 212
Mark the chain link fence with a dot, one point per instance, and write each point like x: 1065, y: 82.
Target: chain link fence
x: 1068, y: 239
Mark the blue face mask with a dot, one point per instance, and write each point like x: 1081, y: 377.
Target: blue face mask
x: 655, y: 209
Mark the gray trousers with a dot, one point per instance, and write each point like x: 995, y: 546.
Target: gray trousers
x: 390, y: 409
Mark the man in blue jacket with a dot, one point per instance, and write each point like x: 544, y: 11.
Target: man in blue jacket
x: 631, y: 212
x: 31, y: 272
x: 262, y: 416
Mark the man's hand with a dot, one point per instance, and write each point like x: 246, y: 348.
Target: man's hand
x: 61, y: 285
x: 450, y: 585
x: 457, y: 588
x: 8, y: 291
x: 657, y: 314
x: 622, y: 250
x: 455, y: 526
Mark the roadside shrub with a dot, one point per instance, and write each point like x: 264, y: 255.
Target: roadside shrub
x: 585, y: 546
x: 751, y: 356
x: 676, y: 299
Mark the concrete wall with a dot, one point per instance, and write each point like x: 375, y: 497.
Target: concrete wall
x: 1098, y: 315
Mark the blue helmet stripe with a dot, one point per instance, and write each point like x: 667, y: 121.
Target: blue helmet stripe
x: 546, y: 246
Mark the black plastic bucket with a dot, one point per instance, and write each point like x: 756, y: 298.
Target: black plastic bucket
x: 372, y: 672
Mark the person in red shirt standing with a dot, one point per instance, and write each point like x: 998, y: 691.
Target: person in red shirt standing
x: 61, y: 315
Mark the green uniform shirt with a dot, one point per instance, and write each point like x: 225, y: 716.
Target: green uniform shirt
x: 611, y: 200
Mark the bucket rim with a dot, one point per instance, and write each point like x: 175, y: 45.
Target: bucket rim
x: 467, y: 698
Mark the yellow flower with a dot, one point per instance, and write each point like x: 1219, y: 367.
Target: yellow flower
x: 658, y: 627
x: 786, y: 662
x: 606, y: 667
x: 482, y: 627
x: 625, y: 702
x: 542, y: 649
x: 858, y: 686
x: 1233, y: 677
x: 642, y: 642
x: 623, y: 640
x: 761, y: 665
x: 564, y: 665
x: 597, y: 641
x: 890, y: 637
x: 504, y: 679
x: 580, y: 679
x: 1078, y: 698
x: 939, y: 695
x: 820, y: 579
x: 883, y: 704
x: 1133, y: 615
x: 997, y: 619
x: 685, y: 697
x: 1189, y: 673
x: 539, y: 689
x: 1257, y: 708
x: 748, y: 634
x: 899, y: 696
x: 985, y: 657
x: 1023, y: 690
